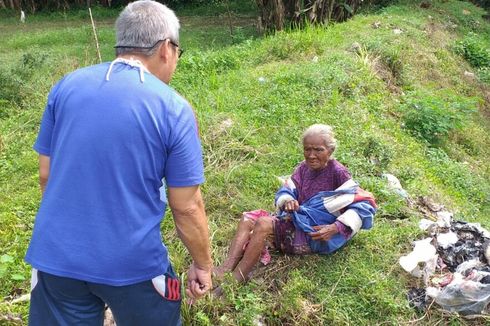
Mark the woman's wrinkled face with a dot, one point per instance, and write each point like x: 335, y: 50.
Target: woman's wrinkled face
x: 315, y: 151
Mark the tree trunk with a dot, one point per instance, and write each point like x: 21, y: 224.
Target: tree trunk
x: 275, y: 14
x: 272, y: 13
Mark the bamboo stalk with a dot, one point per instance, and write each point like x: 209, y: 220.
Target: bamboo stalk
x: 95, y: 35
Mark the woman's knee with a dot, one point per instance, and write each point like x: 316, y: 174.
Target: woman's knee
x: 264, y: 225
x: 246, y: 223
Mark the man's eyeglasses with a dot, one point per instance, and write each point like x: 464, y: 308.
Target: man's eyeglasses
x: 180, y: 51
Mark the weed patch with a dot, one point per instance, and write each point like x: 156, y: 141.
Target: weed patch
x: 431, y: 118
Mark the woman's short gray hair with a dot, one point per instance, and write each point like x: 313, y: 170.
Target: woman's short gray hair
x: 325, y: 132
x: 142, y: 24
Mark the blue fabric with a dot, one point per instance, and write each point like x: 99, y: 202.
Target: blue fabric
x: 110, y: 145
x: 313, y: 212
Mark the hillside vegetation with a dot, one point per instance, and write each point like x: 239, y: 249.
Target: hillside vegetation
x: 407, y: 90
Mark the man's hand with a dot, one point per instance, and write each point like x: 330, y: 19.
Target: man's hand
x: 291, y: 206
x: 324, y: 232
x: 198, y: 282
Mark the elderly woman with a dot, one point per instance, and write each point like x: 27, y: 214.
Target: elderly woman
x: 320, y: 208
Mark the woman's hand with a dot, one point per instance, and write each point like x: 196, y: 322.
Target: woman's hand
x: 291, y: 206
x: 324, y: 232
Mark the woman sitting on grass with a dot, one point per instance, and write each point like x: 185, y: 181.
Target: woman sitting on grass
x: 320, y: 208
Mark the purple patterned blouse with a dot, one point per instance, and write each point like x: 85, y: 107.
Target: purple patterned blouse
x: 310, y: 182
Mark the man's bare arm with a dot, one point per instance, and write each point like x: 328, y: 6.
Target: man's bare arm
x: 192, y: 225
x: 191, y: 222
x: 44, y: 162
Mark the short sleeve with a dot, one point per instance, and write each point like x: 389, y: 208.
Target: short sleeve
x: 184, y: 165
x: 42, y: 144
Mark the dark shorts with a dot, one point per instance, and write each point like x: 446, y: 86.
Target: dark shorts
x: 288, y: 239
x: 65, y: 301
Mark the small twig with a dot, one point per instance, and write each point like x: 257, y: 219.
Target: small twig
x: 423, y: 317
x: 95, y: 35
x: 337, y: 283
x: 230, y: 22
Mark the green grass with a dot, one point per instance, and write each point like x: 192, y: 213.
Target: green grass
x: 253, y: 96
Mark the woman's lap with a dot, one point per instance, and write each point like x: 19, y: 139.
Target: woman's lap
x: 288, y: 239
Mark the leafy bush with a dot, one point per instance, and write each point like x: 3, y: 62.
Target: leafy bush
x: 432, y: 118
x: 484, y: 74
x: 14, y: 79
x: 457, y: 176
x: 474, y: 50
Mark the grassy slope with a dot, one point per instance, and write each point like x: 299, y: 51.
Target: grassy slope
x: 250, y: 133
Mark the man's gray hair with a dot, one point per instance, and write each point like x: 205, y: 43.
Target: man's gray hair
x: 325, y: 132
x: 142, y: 24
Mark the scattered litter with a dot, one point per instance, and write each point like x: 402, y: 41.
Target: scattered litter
x: 315, y: 59
x: 425, y: 224
x: 466, y: 12
x: 22, y: 16
x: 447, y: 239
x: 423, y: 252
x: 470, y: 75
x: 376, y: 25
x: 261, y: 80
x: 454, y: 264
x: 416, y: 299
x: 395, y: 185
x: 397, y: 31
x: 11, y: 318
x: 22, y: 298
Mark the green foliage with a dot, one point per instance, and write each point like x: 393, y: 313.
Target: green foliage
x: 15, y: 78
x: 461, y: 181
x: 484, y: 75
x: 474, y: 50
x: 432, y: 118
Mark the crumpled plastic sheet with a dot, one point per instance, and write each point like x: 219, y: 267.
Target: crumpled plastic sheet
x: 466, y: 294
x: 462, y: 255
x: 471, y: 238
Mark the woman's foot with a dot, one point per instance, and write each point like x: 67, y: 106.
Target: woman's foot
x: 218, y: 273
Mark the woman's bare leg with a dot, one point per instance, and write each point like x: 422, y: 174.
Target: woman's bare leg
x: 264, y: 227
x: 235, y: 253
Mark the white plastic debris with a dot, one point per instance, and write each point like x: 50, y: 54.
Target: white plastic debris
x: 424, y: 224
x: 22, y: 16
x: 261, y: 80
x: 22, y: 298
x: 446, y: 239
x: 397, y: 31
x: 395, y: 185
x: 444, y: 219
x: 423, y: 252
x: 469, y: 74
x: 315, y: 59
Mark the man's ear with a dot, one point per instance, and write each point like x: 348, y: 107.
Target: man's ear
x: 163, y: 51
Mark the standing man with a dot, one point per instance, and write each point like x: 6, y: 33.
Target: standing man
x: 109, y: 134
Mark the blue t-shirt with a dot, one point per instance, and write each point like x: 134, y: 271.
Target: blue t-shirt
x: 110, y: 145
